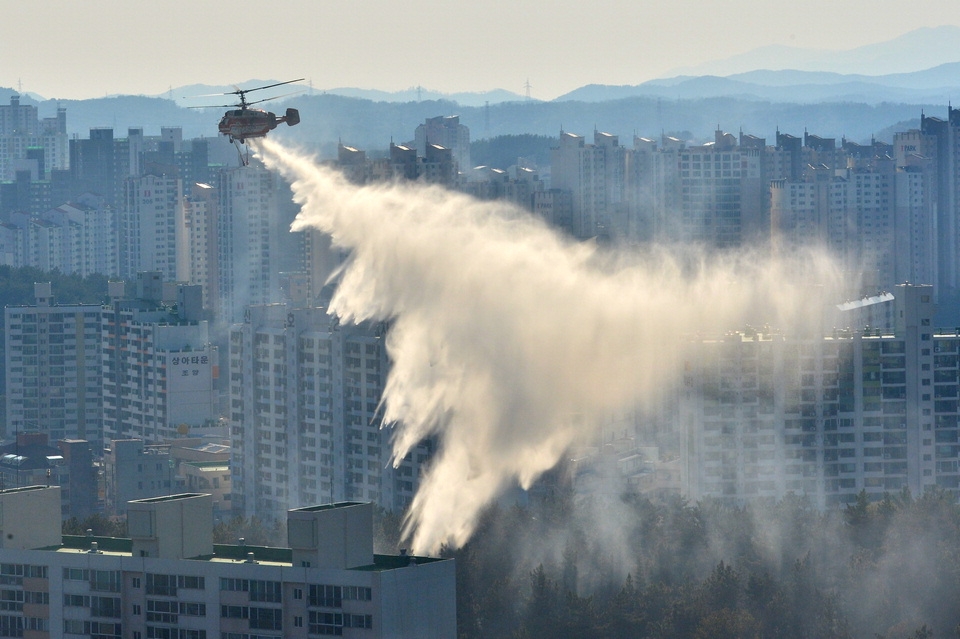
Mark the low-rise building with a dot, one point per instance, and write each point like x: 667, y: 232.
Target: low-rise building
x: 170, y: 580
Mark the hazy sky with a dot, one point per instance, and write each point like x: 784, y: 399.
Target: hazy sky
x: 98, y: 47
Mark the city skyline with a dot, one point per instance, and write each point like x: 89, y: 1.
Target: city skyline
x: 392, y: 46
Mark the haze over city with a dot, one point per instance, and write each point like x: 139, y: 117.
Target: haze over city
x: 112, y: 47
x: 661, y: 340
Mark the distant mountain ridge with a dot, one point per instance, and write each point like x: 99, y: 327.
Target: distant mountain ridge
x: 921, y: 48
x: 757, y: 101
x: 193, y: 95
x: 937, y: 84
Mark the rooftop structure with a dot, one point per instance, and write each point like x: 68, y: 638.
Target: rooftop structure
x: 170, y: 580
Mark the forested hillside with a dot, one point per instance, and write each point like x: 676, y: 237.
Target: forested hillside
x: 676, y: 570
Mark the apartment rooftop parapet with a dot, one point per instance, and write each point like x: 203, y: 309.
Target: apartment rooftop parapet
x: 238, y: 553
x: 338, y: 535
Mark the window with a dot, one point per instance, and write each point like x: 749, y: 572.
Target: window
x: 105, y: 580
x: 73, y: 574
x: 266, y: 619
x: 325, y: 623
x: 358, y: 621
x: 79, y: 601
x: 269, y: 591
x: 161, y: 611
x: 357, y: 593
x: 298, y: 593
x: 105, y: 607
x: 326, y: 596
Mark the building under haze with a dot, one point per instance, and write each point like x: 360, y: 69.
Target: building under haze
x: 827, y: 417
x: 249, y: 239
x: 447, y: 132
x: 29, y: 143
x: 53, y: 369
x: 159, y: 364
x: 151, y: 225
x: 305, y: 415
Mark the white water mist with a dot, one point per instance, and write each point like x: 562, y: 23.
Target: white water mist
x: 508, y: 342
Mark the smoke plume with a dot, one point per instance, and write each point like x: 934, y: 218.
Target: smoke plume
x: 510, y: 343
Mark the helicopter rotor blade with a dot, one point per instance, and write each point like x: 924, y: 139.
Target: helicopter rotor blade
x: 268, y: 86
x: 276, y: 97
x: 238, y: 91
x: 206, y: 95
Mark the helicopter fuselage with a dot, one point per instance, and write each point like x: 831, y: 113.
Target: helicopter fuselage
x: 245, y: 123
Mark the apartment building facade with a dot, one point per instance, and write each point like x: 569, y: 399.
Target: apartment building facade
x: 53, y: 373
x: 305, y: 416
x: 159, y: 366
x: 169, y: 580
x: 827, y: 417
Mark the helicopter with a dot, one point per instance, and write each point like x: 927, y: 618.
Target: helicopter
x: 242, y: 122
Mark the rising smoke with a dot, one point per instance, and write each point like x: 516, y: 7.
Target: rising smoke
x: 510, y: 343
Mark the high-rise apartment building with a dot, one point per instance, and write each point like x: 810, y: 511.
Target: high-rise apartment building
x: 159, y: 366
x: 592, y: 173
x: 53, y: 374
x: 305, y: 419
x: 152, y: 229
x: 78, y: 237
x: 877, y: 216
x: 941, y: 138
x: 249, y: 228
x: 447, y: 132
x: 827, y: 417
x: 22, y: 134
x: 199, y: 263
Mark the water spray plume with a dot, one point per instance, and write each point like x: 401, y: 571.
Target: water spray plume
x: 509, y: 343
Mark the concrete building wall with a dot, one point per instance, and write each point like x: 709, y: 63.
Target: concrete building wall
x: 53, y: 375
x: 98, y: 586
x: 30, y: 517
x: 305, y: 418
x: 827, y: 417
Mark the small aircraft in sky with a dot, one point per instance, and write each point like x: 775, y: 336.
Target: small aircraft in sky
x: 242, y: 122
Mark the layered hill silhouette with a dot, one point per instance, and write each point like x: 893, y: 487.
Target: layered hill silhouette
x: 817, y: 94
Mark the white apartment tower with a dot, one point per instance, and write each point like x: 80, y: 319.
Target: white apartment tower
x: 879, y: 219
x: 20, y: 130
x: 249, y: 242
x: 445, y: 131
x: 305, y: 419
x: 53, y: 369
x: 199, y: 263
x: 151, y: 225
x: 827, y: 417
x: 159, y: 368
x: 78, y: 237
x: 593, y: 174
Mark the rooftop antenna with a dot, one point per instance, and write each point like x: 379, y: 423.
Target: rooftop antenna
x: 19, y: 86
x: 527, y: 86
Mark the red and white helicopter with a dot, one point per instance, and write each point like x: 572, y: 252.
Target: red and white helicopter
x: 243, y: 122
